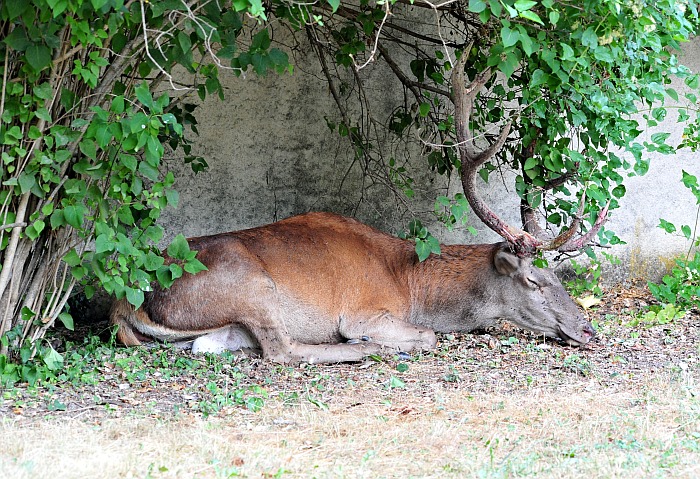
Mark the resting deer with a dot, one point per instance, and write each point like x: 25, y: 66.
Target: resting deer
x: 322, y: 288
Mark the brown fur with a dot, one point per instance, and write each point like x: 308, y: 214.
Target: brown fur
x: 300, y: 288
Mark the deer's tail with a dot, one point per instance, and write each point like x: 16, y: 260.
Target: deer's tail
x: 124, y: 315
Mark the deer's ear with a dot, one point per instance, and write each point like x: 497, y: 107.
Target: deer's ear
x: 506, y: 263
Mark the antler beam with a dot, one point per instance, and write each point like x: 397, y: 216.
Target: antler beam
x: 525, y: 244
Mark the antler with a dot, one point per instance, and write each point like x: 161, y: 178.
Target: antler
x: 524, y: 243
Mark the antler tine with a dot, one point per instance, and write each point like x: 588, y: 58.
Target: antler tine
x: 584, y: 239
x: 463, y: 97
x: 567, y: 235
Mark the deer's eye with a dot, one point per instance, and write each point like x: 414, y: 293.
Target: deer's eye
x: 532, y: 282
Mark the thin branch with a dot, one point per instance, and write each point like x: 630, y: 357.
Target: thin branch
x: 410, y: 84
x: 376, y: 39
x: 20, y: 224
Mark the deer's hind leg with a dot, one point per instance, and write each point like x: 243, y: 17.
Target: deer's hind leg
x: 278, y: 346
x: 259, y: 311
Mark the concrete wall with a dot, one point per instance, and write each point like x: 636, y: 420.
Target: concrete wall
x: 271, y: 155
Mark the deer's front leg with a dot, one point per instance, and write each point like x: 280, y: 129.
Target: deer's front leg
x: 388, y: 331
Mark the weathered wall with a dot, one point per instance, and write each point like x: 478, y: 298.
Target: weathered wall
x: 271, y: 155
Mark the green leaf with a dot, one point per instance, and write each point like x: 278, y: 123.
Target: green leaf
x: 173, y: 197
x: 38, y: 57
x: 31, y: 233
x: 175, y: 271
x: 39, y: 226
x: 103, y: 244
x: 73, y: 216
x: 67, y: 321
x: 149, y: 171
x: 530, y: 15
x: 659, y: 114
x: 538, y: 78
x: 477, y: 6
x: 134, y: 297
x: 144, y: 95
x: 396, y: 383
x: 88, y: 148
x: 43, y: 114
x: 240, y: 5
x: 257, y: 9
x: 117, y: 104
x: 424, y: 109
x: 34, y: 133
x: 17, y: 39
x: 334, y: 4
x: 26, y: 182
x: 529, y: 47
x: 422, y: 249
x: 194, y: 266
x: 79, y: 272
x: 660, y: 138
x: 524, y: 5
x: 125, y: 216
x: 52, y: 359
x: 57, y: 219
x: 689, y: 180
x: 530, y: 163
x: 672, y: 93
x: 433, y: 243
x: 129, y: 161
x: 178, y: 248
x: 98, y: 4
x: 509, y: 65
x: 666, y: 226
x: 693, y: 81
x: 509, y: 37
x: 603, y: 54
x: 685, y: 229
x: 164, y: 276
x: 169, y: 119
x: 71, y: 258
x: 27, y: 314
x: 15, y: 8
x: 619, y: 191
x: 89, y: 291
x: 152, y: 261
x: 589, y: 38
x: 554, y: 17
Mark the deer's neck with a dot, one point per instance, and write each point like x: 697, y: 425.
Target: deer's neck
x: 453, y: 291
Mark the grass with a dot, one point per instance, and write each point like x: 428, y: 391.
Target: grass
x: 583, y: 428
x: 484, y: 406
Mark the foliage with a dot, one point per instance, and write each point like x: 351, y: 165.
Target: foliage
x: 682, y: 286
x: 588, y: 275
x: 93, y: 361
x: 579, y: 81
x: 657, y: 315
x: 85, y: 128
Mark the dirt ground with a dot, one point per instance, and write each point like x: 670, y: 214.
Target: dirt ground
x: 636, y: 378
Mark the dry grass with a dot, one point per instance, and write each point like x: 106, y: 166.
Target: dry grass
x: 580, y: 429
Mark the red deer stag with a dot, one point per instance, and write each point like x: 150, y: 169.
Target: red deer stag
x: 322, y: 288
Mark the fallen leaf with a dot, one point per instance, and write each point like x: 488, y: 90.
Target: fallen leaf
x: 588, y: 302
